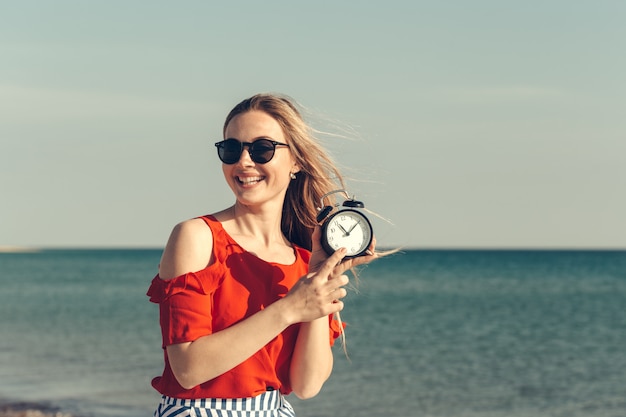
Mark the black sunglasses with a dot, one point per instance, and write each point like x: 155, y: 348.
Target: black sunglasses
x: 261, y: 150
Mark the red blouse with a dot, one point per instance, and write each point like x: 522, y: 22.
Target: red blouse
x: 234, y: 287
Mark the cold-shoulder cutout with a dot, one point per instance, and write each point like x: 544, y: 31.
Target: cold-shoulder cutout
x: 189, y: 249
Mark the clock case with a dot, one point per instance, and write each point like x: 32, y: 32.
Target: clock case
x: 325, y: 216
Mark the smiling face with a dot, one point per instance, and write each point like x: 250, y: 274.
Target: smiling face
x: 255, y: 184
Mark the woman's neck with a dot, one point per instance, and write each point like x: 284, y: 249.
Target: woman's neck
x: 264, y: 226
x: 258, y: 233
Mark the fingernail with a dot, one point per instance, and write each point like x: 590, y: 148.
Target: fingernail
x: 369, y: 252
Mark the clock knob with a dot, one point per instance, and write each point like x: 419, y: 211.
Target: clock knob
x: 353, y: 203
x: 324, y: 213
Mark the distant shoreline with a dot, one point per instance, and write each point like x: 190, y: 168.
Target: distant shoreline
x: 18, y: 249
x: 33, y: 249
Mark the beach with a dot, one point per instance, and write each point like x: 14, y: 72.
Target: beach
x: 27, y: 409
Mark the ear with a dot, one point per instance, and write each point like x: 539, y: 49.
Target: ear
x: 295, y: 168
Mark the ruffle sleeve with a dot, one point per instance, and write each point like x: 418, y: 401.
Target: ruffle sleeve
x: 185, y: 306
x: 335, y: 328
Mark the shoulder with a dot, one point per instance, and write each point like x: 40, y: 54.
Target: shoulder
x: 188, y: 249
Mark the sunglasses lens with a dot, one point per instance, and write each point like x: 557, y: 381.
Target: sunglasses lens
x: 230, y: 151
x: 262, y: 151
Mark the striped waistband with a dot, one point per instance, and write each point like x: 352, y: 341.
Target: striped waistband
x: 269, y: 400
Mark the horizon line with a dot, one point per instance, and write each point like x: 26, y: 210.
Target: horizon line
x: 35, y: 249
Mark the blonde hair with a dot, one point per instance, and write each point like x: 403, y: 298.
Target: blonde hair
x: 318, y: 174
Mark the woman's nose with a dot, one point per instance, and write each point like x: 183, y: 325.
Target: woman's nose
x: 246, y: 156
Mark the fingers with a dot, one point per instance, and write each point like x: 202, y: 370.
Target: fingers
x: 334, y: 298
x: 333, y: 260
x: 352, y: 262
x: 359, y: 260
x: 338, y: 293
x: 371, y: 250
x: 329, y: 280
x: 337, y: 281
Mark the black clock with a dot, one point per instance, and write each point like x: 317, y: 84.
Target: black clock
x: 346, y: 228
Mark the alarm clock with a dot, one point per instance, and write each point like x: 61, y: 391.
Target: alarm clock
x: 346, y: 228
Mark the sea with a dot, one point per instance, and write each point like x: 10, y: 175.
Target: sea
x: 454, y: 333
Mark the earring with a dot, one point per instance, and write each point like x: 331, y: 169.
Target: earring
x: 292, y: 175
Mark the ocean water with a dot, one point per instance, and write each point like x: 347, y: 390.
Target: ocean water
x: 431, y: 333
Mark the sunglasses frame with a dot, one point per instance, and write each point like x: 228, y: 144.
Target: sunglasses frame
x: 250, y: 145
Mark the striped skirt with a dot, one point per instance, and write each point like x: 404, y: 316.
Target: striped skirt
x: 268, y: 404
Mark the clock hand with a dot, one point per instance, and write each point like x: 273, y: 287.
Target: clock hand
x: 352, y: 228
x: 344, y: 230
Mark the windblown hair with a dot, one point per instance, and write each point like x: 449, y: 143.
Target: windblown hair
x: 318, y: 174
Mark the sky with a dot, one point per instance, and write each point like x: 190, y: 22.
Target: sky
x: 465, y: 124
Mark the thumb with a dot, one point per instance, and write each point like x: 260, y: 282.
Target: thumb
x: 330, y: 263
x: 318, y: 255
x: 316, y: 239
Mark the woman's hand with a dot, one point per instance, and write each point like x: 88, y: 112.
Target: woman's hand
x: 319, y: 293
x: 319, y: 255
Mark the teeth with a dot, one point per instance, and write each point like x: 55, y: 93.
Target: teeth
x: 249, y: 180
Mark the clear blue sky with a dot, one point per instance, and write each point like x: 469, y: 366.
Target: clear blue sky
x: 470, y: 123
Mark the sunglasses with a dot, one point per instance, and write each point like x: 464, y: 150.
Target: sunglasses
x: 261, y: 150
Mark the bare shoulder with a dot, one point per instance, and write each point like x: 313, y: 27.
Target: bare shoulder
x: 188, y: 249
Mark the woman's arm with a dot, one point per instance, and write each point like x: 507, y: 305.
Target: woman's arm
x: 210, y: 356
x: 312, y: 361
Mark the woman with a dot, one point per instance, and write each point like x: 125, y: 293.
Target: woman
x: 247, y: 296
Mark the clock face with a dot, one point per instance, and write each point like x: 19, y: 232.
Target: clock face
x: 347, y: 229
